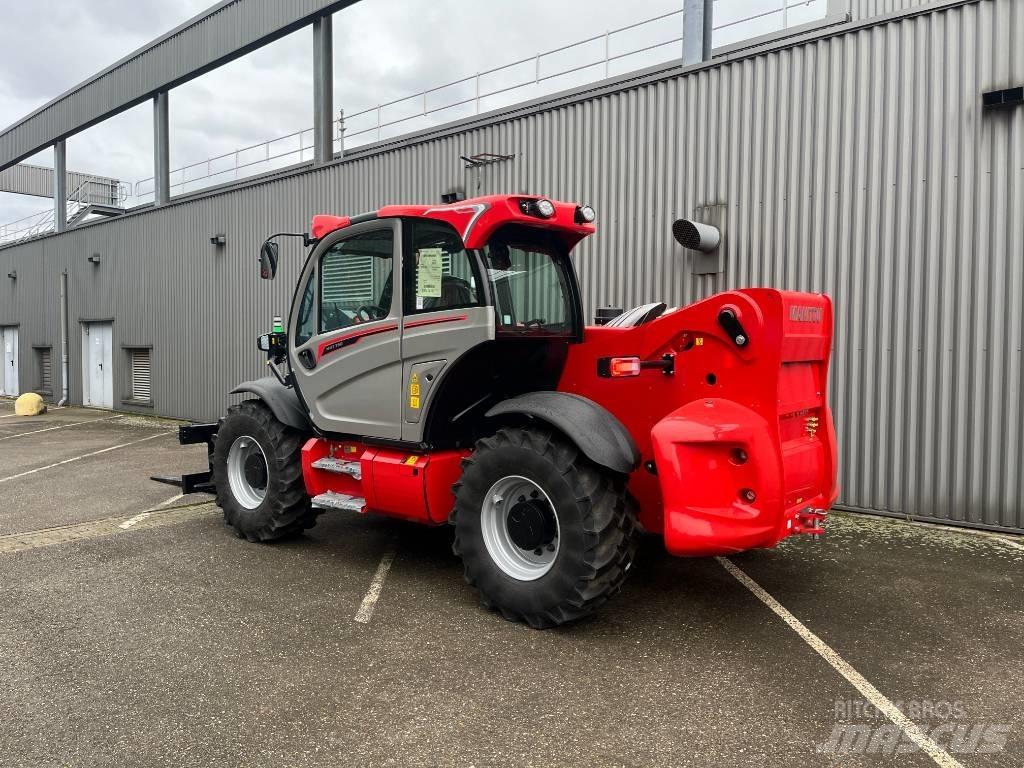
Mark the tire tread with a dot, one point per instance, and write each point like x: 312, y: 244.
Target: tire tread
x: 291, y: 511
x: 609, y: 523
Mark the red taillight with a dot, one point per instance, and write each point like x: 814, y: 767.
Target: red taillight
x: 623, y: 366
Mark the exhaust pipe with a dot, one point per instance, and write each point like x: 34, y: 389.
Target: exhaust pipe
x: 696, y: 236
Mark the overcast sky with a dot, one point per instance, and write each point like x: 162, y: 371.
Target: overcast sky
x: 384, y: 49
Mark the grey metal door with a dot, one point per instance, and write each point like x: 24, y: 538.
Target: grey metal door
x: 97, y: 365
x: 9, y: 345
x: 345, y: 337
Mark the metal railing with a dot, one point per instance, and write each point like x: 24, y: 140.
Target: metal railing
x: 479, y: 92
x: 424, y: 106
x: 476, y: 91
x: 78, y: 200
x: 236, y: 161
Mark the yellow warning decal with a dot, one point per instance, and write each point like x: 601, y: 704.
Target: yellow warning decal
x: 699, y: 341
x: 411, y: 460
x: 414, y: 391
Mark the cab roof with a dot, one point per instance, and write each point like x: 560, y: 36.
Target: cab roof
x: 477, y: 219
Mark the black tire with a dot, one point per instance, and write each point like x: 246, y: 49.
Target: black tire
x: 596, y: 520
x: 285, y: 509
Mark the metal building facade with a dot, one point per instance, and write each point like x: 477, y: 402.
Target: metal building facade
x: 856, y: 160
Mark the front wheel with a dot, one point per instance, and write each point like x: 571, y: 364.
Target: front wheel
x: 545, y: 535
x: 257, y: 470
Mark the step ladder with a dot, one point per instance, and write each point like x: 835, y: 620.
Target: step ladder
x: 332, y: 500
x: 340, y: 467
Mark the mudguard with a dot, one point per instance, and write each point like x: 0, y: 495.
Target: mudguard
x: 597, y: 433
x: 283, y: 402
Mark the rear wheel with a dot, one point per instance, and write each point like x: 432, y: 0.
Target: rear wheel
x: 545, y: 535
x: 257, y: 470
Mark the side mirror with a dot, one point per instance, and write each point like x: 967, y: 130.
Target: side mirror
x: 263, y: 342
x: 268, y: 260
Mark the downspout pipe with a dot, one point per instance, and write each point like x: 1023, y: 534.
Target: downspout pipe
x: 63, y: 339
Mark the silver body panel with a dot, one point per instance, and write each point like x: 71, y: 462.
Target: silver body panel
x: 431, y: 351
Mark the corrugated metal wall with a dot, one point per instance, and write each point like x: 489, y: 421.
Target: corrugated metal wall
x: 866, y: 9
x: 858, y: 163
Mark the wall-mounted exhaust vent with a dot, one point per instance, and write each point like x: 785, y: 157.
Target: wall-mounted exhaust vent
x: 696, y: 236
x: 704, y: 234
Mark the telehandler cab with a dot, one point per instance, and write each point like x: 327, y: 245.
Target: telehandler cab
x: 435, y: 367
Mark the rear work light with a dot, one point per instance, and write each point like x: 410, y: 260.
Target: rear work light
x: 618, y: 367
x: 623, y: 367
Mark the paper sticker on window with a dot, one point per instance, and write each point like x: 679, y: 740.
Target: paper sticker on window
x: 428, y: 273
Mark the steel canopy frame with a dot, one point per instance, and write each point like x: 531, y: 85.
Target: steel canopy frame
x: 217, y: 36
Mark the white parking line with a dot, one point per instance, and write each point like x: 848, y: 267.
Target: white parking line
x: 79, y: 458
x: 169, y: 501
x: 111, y: 526
x: 365, y: 612
x: 149, y: 512
x: 840, y: 665
x: 133, y: 520
x: 59, y: 426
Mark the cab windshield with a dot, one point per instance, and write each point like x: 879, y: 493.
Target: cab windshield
x: 528, y: 281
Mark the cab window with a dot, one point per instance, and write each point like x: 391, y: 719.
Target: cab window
x: 529, y: 284
x: 440, y: 273
x: 356, y: 280
x: 305, y: 325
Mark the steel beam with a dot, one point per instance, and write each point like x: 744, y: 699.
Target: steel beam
x: 60, y: 186
x: 161, y: 150
x: 698, y: 18
x: 323, y: 89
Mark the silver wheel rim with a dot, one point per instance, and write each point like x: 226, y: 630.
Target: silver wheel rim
x: 242, y: 451
x: 519, y: 563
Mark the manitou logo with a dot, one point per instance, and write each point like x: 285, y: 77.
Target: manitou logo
x: 805, y: 314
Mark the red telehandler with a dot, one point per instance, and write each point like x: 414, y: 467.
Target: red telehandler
x: 435, y: 367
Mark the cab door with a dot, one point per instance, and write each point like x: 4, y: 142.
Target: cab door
x: 446, y: 315
x: 345, y: 332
